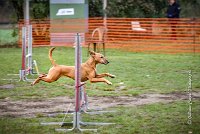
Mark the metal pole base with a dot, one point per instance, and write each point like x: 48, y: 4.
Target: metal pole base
x: 22, y: 75
x: 76, y: 123
x: 30, y: 72
x: 95, y: 123
x: 90, y: 112
x: 83, y: 124
x: 76, y: 126
x: 75, y: 129
x: 98, y: 112
x: 57, y: 123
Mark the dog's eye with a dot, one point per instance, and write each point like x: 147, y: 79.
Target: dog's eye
x: 101, y: 57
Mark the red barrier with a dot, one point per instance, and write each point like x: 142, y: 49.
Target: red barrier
x: 160, y: 35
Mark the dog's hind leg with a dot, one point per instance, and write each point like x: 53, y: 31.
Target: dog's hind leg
x: 36, y: 81
x: 45, y: 79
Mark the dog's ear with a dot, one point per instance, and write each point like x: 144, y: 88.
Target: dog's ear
x: 92, y: 53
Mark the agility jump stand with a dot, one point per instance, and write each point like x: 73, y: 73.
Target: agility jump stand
x: 27, y: 61
x: 79, y: 95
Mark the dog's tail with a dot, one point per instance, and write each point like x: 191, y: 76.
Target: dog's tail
x: 50, y: 57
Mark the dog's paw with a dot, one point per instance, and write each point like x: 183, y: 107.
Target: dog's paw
x: 112, y: 76
x: 109, y: 83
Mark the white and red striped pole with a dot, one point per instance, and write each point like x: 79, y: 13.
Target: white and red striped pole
x: 77, y: 81
x: 22, y: 72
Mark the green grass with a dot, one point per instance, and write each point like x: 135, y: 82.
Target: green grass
x: 6, y: 37
x: 156, y: 118
x: 139, y: 73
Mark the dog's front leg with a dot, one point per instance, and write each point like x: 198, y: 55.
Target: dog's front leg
x: 95, y: 80
x: 104, y: 75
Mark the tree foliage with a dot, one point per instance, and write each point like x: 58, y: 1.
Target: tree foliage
x: 39, y: 9
x: 18, y: 7
x: 190, y: 8
x: 145, y: 8
x: 95, y: 8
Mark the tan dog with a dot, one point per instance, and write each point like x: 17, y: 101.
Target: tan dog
x: 88, y: 70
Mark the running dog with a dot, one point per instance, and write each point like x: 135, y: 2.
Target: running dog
x: 88, y: 70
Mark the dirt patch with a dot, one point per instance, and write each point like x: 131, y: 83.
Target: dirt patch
x: 9, y: 86
x: 32, y: 108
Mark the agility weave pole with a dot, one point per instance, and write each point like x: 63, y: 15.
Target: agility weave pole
x: 80, y: 96
x: 22, y: 72
x: 30, y: 52
x: 27, y: 61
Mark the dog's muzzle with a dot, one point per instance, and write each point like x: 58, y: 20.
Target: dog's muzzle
x: 106, y: 62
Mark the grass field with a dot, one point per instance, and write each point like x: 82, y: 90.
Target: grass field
x: 6, y: 37
x: 137, y: 73
x: 148, y: 119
